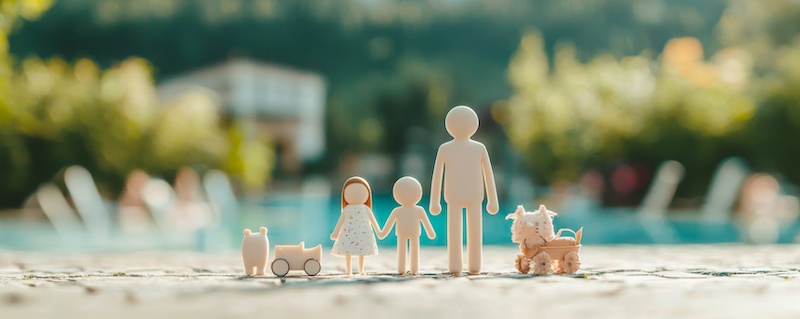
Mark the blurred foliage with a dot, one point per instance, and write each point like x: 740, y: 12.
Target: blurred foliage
x: 109, y: 121
x: 603, y: 81
x: 568, y: 115
x: 249, y: 159
x: 54, y: 114
x: 375, y: 55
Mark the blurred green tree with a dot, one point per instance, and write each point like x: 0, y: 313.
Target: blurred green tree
x: 54, y: 114
x: 684, y: 104
x: 634, y: 108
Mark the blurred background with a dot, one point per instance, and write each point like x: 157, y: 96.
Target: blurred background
x: 174, y: 124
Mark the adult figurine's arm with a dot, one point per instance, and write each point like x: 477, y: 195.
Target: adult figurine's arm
x: 389, y: 224
x: 488, y: 178
x: 436, y: 184
x: 338, y: 227
x: 426, y: 223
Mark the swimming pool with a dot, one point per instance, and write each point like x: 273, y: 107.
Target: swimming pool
x: 292, y: 219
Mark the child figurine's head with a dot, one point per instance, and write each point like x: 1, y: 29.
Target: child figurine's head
x: 356, y: 191
x: 461, y: 122
x: 407, y: 191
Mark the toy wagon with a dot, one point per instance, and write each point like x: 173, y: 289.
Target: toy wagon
x: 563, y: 253
x: 296, y: 257
x: 540, y: 247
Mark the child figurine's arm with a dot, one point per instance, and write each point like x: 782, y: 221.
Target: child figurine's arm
x: 488, y: 178
x: 426, y: 223
x: 338, y: 226
x: 436, y: 184
x: 374, y: 223
x: 389, y: 224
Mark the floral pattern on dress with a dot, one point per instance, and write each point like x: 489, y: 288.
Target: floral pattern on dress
x: 357, y: 237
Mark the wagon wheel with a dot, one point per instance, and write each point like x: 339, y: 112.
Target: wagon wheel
x: 571, y: 262
x: 312, y: 267
x: 523, y: 264
x: 541, y: 264
x: 280, y: 267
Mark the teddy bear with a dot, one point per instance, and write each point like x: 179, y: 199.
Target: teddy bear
x: 255, y: 252
x: 533, y: 231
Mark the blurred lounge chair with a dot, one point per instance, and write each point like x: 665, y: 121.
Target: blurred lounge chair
x: 222, y: 199
x: 191, y: 206
x: 652, y: 212
x: 58, y: 211
x: 88, y: 202
x: 724, y: 190
x: 766, y: 210
x: 656, y: 203
x: 178, y: 212
x: 132, y: 213
x: 158, y: 196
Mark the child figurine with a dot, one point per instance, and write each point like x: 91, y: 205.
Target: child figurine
x: 354, y: 232
x: 407, y: 192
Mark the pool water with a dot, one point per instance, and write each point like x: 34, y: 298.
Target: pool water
x: 292, y: 219
x: 600, y: 227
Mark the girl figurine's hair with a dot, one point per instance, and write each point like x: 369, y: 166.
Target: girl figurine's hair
x: 357, y: 180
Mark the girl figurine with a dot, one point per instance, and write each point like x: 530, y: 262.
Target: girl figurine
x: 407, y: 192
x: 354, y: 232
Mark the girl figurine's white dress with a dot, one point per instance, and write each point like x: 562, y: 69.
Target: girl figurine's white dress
x: 357, y: 237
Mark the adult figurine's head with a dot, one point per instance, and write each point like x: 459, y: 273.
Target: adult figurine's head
x: 407, y: 191
x: 461, y: 122
x: 356, y: 190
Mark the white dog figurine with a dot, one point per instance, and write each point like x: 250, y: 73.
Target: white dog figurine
x: 533, y: 231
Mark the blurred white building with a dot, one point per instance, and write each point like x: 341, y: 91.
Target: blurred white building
x: 286, y: 104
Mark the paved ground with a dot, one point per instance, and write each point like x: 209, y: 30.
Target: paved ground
x: 620, y: 281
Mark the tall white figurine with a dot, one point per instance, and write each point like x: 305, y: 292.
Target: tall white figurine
x: 467, y: 173
x: 255, y: 251
x: 407, y: 192
x: 354, y: 233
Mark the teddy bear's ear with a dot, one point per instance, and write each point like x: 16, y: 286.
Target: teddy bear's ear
x: 263, y: 230
x: 247, y: 232
x: 542, y: 209
x: 518, y: 213
x: 551, y: 214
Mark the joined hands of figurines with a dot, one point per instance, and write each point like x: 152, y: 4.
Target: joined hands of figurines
x: 354, y: 234
x: 464, y: 166
x: 407, y: 192
x: 540, y: 247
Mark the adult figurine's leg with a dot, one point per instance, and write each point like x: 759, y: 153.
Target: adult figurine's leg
x: 414, y: 247
x: 361, y: 265
x: 474, y: 239
x: 401, y: 255
x: 455, y: 260
x: 347, y: 263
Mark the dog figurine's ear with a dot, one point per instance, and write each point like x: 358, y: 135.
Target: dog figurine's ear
x: 517, y: 214
x: 544, y: 210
